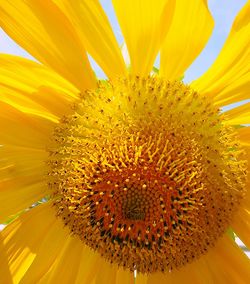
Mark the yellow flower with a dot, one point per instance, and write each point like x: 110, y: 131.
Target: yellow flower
x: 136, y: 173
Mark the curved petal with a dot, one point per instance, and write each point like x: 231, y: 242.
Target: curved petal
x: 241, y: 225
x: 63, y: 268
x: 21, y: 240
x: 23, y: 139
x: 23, y: 129
x: 239, y: 115
x: 190, y: 30
x: 144, y: 24
x: 228, y: 79
x: 21, y: 187
x: 244, y: 135
x: 43, y: 30
x: 89, y: 267
x: 141, y: 278
x: 33, y: 88
x: 94, y: 30
x: 106, y: 274
x: 228, y: 263
x: 46, y: 249
x: 124, y: 276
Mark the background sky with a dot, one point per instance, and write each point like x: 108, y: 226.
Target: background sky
x: 223, y: 11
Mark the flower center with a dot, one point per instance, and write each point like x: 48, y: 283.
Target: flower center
x: 146, y: 172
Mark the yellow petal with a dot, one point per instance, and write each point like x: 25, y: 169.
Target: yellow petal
x: 228, y: 262
x: 144, y: 24
x: 23, y: 103
x: 17, y: 72
x: 4, y: 269
x: 23, y: 139
x: 107, y: 273
x: 43, y: 30
x: 124, y: 276
x: 244, y: 135
x: 141, y: 279
x: 235, y: 92
x: 190, y: 30
x: 66, y: 265
x: 58, y: 252
x: 19, y: 193
x: 241, y: 225
x: 89, y: 267
x: 239, y: 115
x: 24, y: 130
x: 228, y: 79
x: 50, y: 246
x: 93, y: 28
x: 34, y: 88
x: 20, y: 161
x: 20, y: 241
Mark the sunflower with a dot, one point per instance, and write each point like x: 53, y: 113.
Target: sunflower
x: 139, y: 172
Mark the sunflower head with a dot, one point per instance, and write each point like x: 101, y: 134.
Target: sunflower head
x: 146, y: 172
x: 143, y: 173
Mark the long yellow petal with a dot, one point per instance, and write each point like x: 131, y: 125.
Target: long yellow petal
x: 66, y: 265
x: 239, y: 115
x: 19, y: 161
x: 43, y: 30
x: 51, y: 244
x: 228, y: 263
x: 21, y: 240
x: 141, y: 278
x: 93, y: 28
x: 124, y: 276
x: 4, y: 268
x: 106, y: 273
x: 33, y: 88
x: 144, y: 24
x: 190, y: 30
x: 17, y: 194
x: 241, y: 226
x: 89, y: 267
x: 23, y: 129
x: 228, y: 79
x: 244, y: 135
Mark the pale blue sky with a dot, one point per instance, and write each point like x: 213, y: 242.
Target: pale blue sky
x: 224, y: 12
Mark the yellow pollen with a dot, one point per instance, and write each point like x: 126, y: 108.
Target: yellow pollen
x: 146, y: 172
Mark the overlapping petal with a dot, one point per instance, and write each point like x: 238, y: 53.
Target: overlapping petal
x: 190, y: 30
x: 33, y: 88
x: 95, y: 32
x: 228, y: 79
x: 34, y: 98
x: 239, y: 115
x: 43, y: 30
x: 19, y: 246
x: 228, y: 263
x: 19, y: 191
x: 144, y: 25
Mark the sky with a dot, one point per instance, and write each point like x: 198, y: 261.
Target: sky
x: 223, y: 11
